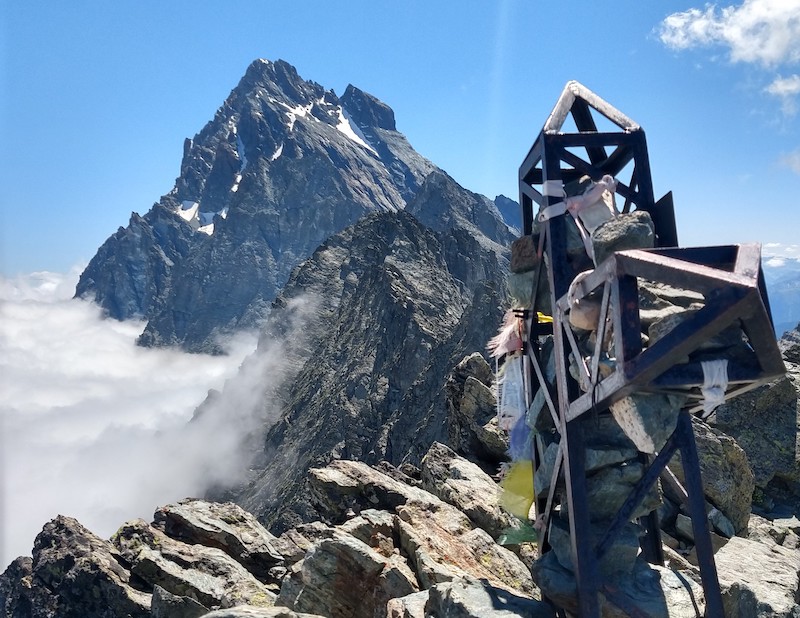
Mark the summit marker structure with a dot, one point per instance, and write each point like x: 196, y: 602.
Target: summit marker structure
x: 644, y: 335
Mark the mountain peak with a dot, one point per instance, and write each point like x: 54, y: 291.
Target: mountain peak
x: 280, y: 80
x: 367, y: 110
x: 283, y: 164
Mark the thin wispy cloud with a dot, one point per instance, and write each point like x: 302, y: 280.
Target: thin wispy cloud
x: 761, y: 33
x: 778, y: 251
x: 95, y: 427
x: 791, y: 160
x: 786, y: 89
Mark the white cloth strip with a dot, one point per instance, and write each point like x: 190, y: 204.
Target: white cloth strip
x: 554, y: 210
x: 553, y: 188
x: 715, y: 383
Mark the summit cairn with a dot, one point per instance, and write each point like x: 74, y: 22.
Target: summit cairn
x: 616, y: 343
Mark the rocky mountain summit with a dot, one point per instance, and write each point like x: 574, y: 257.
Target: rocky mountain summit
x: 283, y: 165
x: 401, y: 542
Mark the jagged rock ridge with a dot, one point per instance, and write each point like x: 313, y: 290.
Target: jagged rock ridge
x: 395, y: 305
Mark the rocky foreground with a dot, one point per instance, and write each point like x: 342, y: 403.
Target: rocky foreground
x: 413, y: 542
x: 402, y: 543
x: 392, y: 546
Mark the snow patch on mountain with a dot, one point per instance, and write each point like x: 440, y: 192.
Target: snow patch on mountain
x: 293, y: 113
x: 350, y: 130
x: 188, y: 210
x: 240, y: 152
x: 199, y: 221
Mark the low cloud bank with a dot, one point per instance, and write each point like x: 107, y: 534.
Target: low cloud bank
x: 94, y: 427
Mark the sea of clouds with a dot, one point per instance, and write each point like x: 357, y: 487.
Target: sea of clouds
x: 94, y: 427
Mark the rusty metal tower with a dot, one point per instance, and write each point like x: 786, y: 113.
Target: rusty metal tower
x: 730, y: 280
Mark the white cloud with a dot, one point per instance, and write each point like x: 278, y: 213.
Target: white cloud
x: 95, y: 427
x: 791, y: 160
x: 785, y: 86
x: 764, y: 32
x: 786, y: 89
x: 777, y: 251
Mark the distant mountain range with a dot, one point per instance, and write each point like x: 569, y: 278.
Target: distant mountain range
x: 782, y: 275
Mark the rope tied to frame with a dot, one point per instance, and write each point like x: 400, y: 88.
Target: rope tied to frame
x: 580, y: 206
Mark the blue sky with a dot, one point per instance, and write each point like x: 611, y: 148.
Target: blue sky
x: 97, y: 98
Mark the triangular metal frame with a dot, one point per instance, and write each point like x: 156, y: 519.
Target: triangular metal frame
x: 606, y: 153
x: 577, y: 99
x: 730, y: 277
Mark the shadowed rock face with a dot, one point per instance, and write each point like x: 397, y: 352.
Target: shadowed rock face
x: 390, y: 320
x: 73, y: 573
x: 283, y: 165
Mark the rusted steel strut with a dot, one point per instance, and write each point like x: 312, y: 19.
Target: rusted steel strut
x: 608, y: 368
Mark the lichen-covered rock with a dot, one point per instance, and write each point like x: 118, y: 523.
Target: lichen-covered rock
x: 647, y: 419
x: 440, y: 541
x: 728, y: 481
x: 721, y: 343
x: 524, y: 254
x: 627, y: 231
x: 205, y: 574
x: 472, y: 429
x: 343, y: 577
x: 464, y: 485
x: 618, y: 562
x: 295, y: 542
x: 764, y: 422
x: 343, y: 486
x: 783, y: 532
x: 473, y: 599
x: 15, y: 588
x: 225, y: 526
x: 246, y: 611
x: 375, y: 528
x: 758, y: 580
x: 442, y: 545
x: 73, y: 574
x: 409, y: 606
x: 789, y: 345
x: 168, y: 605
x: 654, y: 591
x: 608, y: 489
